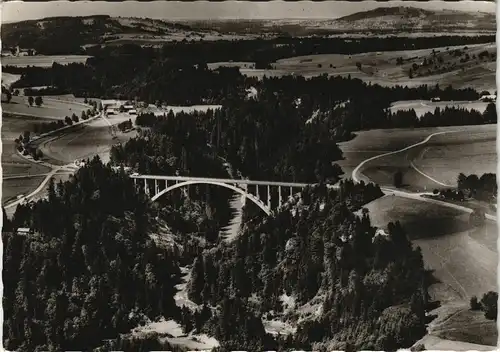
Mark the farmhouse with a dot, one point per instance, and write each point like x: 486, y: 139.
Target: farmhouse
x: 24, y: 231
x: 17, y: 51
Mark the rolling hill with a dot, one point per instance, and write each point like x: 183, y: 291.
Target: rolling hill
x: 73, y: 33
x: 415, y: 19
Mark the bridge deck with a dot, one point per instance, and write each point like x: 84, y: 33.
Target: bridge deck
x: 223, y: 180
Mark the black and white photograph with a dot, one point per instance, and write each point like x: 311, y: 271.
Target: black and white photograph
x: 249, y: 176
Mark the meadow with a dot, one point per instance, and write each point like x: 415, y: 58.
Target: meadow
x: 463, y: 261
x: 12, y: 163
x: 52, y: 107
x: 42, y: 60
x: 441, y: 159
x: 11, y: 188
x: 382, y: 67
x: 83, y: 142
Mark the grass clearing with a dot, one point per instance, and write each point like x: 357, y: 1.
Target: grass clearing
x: 11, y: 188
x: 51, y: 108
x: 83, y: 142
x: 12, y: 162
x: 448, y: 155
x: 442, y: 158
x: 42, y: 60
x: 381, y: 68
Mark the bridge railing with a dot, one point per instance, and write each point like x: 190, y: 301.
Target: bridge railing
x: 229, y: 180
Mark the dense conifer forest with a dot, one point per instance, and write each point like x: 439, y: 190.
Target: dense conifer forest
x: 92, y: 268
x: 68, y: 285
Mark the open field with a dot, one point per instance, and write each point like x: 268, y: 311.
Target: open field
x: 13, y: 163
x: 464, y: 262
x: 422, y: 107
x: 14, y: 125
x: 447, y: 155
x: 11, y: 188
x: 52, y: 108
x: 472, y: 148
x: 382, y: 68
x: 82, y: 142
x: 42, y: 61
x: 9, y: 78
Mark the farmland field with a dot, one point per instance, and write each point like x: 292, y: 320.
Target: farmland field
x: 42, y: 61
x: 472, y: 148
x: 11, y: 188
x: 82, y: 142
x: 463, y: 259
x: 423, y: 106
x: 13, y: 163
x: 52, y: 108
x: 381, y: 68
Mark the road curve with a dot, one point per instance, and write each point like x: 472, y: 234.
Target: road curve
x: 415, y: 196
x: 356, y: 170
x: 35, y: 192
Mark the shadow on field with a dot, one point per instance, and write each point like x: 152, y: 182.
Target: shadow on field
x: 429, y: 227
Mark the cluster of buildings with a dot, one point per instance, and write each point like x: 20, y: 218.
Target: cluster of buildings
x: 17, y: 51
x: 113, y: 107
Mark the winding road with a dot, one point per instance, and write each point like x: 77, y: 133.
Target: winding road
x: 416, y: 196
x: 356, y: 176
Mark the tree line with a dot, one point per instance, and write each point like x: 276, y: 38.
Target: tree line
x: 483, y: 188
x: 449, y: 116
x: 89, y: 260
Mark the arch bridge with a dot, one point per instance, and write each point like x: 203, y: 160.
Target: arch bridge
x: 262, y: 193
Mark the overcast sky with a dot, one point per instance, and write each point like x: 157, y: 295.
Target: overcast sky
x: 17, y: 11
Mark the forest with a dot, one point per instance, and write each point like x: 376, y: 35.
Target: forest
x: 483, y: 188
x: 130, y: 71
x: 67, y: 284
x: 449, y: 116
x: 372, y: 288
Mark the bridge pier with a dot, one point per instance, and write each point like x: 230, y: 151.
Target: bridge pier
x: 279, y: 196
x: 269, y: 196
x: 157, y: 189
x: 257, y: 191
x: 146, y: 189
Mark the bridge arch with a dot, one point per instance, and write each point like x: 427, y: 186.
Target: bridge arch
x: 251, y: 197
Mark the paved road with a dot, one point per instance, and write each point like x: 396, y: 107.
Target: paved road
x: 68, y: 168
x: 410, y: 195
x: 39, y: 188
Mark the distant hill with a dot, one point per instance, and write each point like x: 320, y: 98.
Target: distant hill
x: 383, y: 19
x: 63, y: 35
x: 410, y: 18
x: 73, y: 32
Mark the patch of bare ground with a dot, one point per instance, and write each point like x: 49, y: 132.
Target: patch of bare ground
x: 170, y: 330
